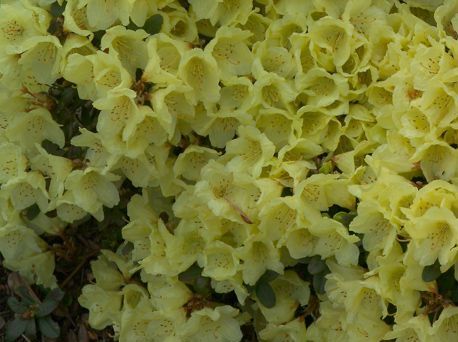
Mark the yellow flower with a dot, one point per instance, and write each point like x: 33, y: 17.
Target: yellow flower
x: 37, y: 125
x: 224, y: 12
x: 167, y: 293
x: 104, y: 306
x: 251, y: 151
x: 200, y: 71
x: 258, y: 255
x: 334, y: 36
x: 101, y: 14
x: 290, y: 292
x: 41, y: 57
x: 434, y: 236
x: 16, y: 27
x: 171, y: 104
x: 446, y: 326
x: 230, y: 50
x: 334, y: 239
x: 164, y: 57
x: 26, y: 190
x: 236, y: 95
x: 291, y: 331
x: 25, y: 252
x: 91, y: 190
x: 212, y: 325
x: 437, y: 160
x: 12, y: 161
x: 322, y: 88
x: 321, y: 191
x: 127, y: 45
x: 415, y: 329
x: 219, y: 261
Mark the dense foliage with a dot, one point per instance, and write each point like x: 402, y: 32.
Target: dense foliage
x: 271, y: 170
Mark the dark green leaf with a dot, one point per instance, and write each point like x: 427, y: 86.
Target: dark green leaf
x: 14, y: 329
x: 32, y: 211
x: 304, y: 260
x: 316, y: 265
x: 52, y: 148
x: 17, y: 306
x: 431, y: 272
x: 318, y: 282
x: 153, y: 24
x: 191, y: 274
x: 57, y: 9
x: 138, y: 74
x: 265, y: 294
x: 286, y: 191
x: 24, y: 293
x: 344, y: 218
x: 97, y: 37
x: 132, y: 26
x: 268, y: 276
x: 50, y: 302
x: 446, y: 283
x: 31, y: 328
x: 202, y: 285
x: 48, y: 327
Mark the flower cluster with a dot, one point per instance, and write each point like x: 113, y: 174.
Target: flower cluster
x: 295, y: 162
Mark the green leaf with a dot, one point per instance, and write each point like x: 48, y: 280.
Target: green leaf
x: 24, y: 293
x: 191, y: 274
x: 48, y: 327
x: 153, y: 24
x: 304, y: 260
x: 316, y: 265
x: 32, y: 211
x: 17, y: 306
x: 51, y: 302
x: 265, y: 294
x: 326, y: 167
x: 344, y: 218
x: 31, y: 328
x: 56, y: 9
x: 318, y: 282
x: 14, y: 329
x: 202, y: 285
x: 268, y: 276
x: 51, y: 148
x: 431, y: 272
x: 132, y: 26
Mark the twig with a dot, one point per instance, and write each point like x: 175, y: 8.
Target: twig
x: 25, y: 338
x: 80, y: 265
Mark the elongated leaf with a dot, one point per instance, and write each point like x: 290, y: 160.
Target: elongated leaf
x: 153, y: 24
x: 265, y: 294
x: 268, y: 276
x: 31, y: 328
x: 319, y: 281
x: 431, y: 272
x: 17, y: 306
x: 14, y: 329
x: 57, y: 9
x: 50, y: 302
x: 48, y: 327
x: 25, y: 295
